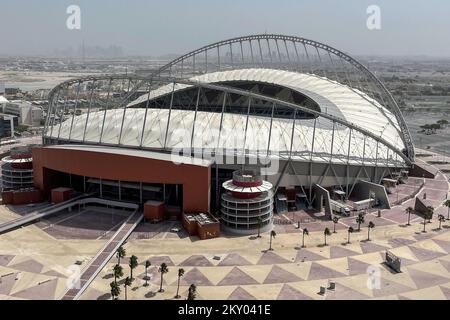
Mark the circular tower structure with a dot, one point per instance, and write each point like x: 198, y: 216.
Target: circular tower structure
x: 247, y: 203
x: 17, y: 169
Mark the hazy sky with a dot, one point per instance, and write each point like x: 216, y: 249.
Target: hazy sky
x: 154, y: 27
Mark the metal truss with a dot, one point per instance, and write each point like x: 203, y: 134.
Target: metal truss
x: 225, y: 90
x: 198, y: 61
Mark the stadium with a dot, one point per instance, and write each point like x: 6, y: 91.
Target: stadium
x: 241, y: 129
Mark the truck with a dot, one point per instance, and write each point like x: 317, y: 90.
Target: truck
x: 340, y: 208
x: 365, y: 204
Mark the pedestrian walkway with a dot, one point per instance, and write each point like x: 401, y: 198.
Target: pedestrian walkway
x: 103, y: 256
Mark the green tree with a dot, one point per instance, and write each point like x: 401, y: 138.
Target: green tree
x: 259, y: 227
x: 272, y: 235
x: 163, y: 270
x: 359, y: 220
x: 126, y: 284
x: 335, y: 222
x: 441, y: 219
x: 428, y: 214
x: 120, y: 254
x: 147, y: 265
x: 447, y: 204
x: 118, y: 272
x: 133, y: 263
x: 305, y: 232
x: 180, y: 274
x: 192, y: 292
x: 409, y: 210
x: 326, y: 233
x: 349, y: 231
x: 370, y: 226
x: 115, y: 290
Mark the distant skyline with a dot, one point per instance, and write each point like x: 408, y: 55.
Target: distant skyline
x: 155, y: 28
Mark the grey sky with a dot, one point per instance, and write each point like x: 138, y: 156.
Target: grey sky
x: 409, y: 27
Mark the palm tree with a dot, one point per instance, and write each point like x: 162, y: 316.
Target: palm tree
x: 192, y: 292
x: 441, y: 219
x: 180, y: 274
x: 147, y: 265
x: 305, y: 232
x: 163, y: 270
x: 120, y: 254
x: 133, y: 264
x: 326, y: 233
x: 350, y: 230
x: 115, y: 290
x: 408, y: 211
x: 447, y: 204
x: 259, y: 227
x: 359, y: 220
x: 127, y: 283
x: 118, y: 272
x: 335, y: 222
x: 428, y: 214
x: 272, y: 235
x: 370, y: 226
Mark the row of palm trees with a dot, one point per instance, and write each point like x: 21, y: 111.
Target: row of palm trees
x: 359, y: 220
x: 133, y: 263
x: 429, y: 213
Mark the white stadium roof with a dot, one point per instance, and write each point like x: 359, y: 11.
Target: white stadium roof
x: 333, y: 98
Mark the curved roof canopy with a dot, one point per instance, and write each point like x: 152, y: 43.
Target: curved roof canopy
x: 263, y: 108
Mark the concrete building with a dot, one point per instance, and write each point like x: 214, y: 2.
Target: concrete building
x: 27, y: 113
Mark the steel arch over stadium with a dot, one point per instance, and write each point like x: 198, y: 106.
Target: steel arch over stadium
x: 264, y: 95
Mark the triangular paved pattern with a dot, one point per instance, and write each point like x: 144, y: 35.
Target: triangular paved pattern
x: 54, y: 273
x: 345, y: 293
x: 29, y: 266
x: 398, y: 242
x: 318, y: 271
x: 158, y: 260
x: 445, y: 264
x: 289, y: 293
x: 446, y: 292
x: 388, y: 287
x: 279, y: 275
x: 424, y: 254
x: 7, y: 283
x: 368, y: 247
x: 424, y: 236
x: 357, y: 267
x: 237, y: 277
x: 339, y: 252
x: 5, y: 259
x: 443, y: 244
x: 304, y: 255
x: 425, y: 279
x: 44, y: 291
x: 240, y: 294
x: 271, y: 258
x: 234, y: 259
x: 194, y: 277
x: 197, y: 261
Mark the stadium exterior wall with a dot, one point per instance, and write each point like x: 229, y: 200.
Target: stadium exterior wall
x: 102, y: 165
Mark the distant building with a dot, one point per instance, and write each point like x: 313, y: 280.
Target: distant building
x: 27, y: 113
x: 7, y: 125
x: 3, y: 101
x: 12, y: 91
x: 2, y: 88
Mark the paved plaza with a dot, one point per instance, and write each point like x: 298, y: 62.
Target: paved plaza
x: 36, y: 261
